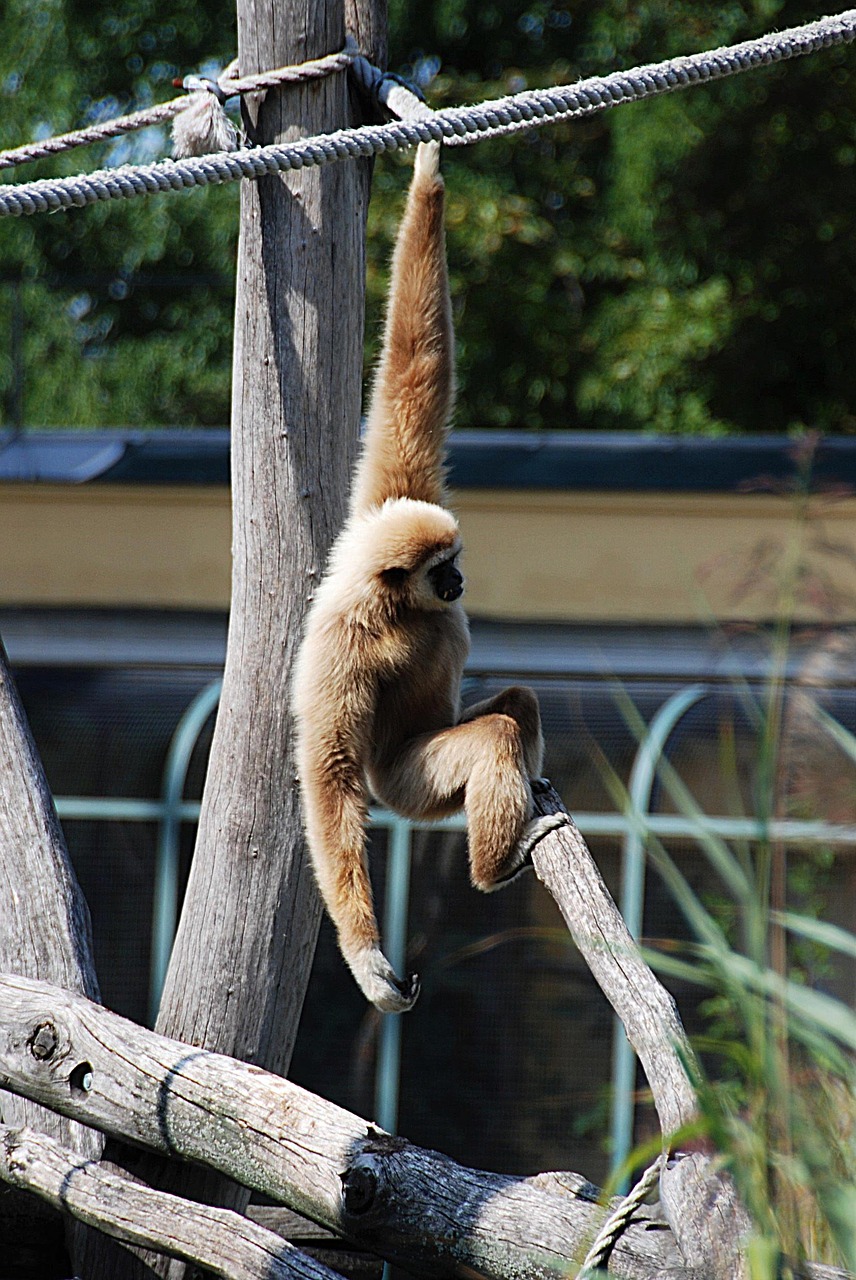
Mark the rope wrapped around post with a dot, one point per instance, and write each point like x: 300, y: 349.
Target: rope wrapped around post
x: 456, y: 126
x: 200, y: 89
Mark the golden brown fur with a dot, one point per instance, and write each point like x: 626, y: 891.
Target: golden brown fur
x: 377, y: 684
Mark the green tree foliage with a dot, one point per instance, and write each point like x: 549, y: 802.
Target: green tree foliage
x: 126, y: 307
x: 685, y: 264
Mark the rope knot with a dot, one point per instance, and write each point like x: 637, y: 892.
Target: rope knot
x: 203, y: 126
x: 392, y: 97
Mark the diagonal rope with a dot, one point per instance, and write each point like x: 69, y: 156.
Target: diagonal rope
x: 454, y: 125
x: 314, y: 69
x: 225, y: 86
x: 618, y: 1221
x: 93, y: 133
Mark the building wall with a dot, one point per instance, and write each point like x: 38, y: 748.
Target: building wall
x: 534, y: 555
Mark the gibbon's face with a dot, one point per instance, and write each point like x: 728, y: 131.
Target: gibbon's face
x: 434, y: 585
x: 446, y: 580
x: 438, y: 583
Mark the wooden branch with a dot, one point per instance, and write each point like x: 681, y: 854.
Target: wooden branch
x: 223, y: 1242
x: 251, y: 907
x: 700, y: 1202
x: 404, y: 1203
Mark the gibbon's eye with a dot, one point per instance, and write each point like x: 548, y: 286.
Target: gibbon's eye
x: 394, y: 578
x: 447, y: 580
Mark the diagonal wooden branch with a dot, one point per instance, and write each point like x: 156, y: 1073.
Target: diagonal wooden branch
x: 700, y: 1202
x: 223, y: 1242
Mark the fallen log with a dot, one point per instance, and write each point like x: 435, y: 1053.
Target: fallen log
x: 405, y: 1203
x: 221, y: 1241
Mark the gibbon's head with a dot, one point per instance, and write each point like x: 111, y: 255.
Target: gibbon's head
x: 407, y: 551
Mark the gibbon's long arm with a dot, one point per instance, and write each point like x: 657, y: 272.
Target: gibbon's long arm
x: 414, y: 387
x: 330, y: 746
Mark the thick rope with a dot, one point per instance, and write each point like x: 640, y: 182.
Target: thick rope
x: 227, y: 84
x: 453, y: 125
x: 606, y: 1239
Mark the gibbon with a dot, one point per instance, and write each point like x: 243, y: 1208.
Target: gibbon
x: 377, y: 681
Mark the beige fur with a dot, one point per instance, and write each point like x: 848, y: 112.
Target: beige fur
x: 377, y: 682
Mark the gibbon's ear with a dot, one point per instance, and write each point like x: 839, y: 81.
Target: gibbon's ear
x: 394, y: 579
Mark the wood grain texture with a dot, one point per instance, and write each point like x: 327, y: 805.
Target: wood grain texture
x: 700, y: 1202
x: 225, y: 1243
x: 45, y: 930
x: 247, y: 934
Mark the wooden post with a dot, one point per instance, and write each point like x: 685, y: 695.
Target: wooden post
x: 44, y: 920
x: 246, y: 939
x: 247, y: 934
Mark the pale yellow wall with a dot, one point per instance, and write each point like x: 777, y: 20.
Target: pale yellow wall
x: 656, y: 557
x: 584, y: 557
x: 114, y: 545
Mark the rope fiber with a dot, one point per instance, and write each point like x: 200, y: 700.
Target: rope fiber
x: 617, y: 1221
x: 456, y: 126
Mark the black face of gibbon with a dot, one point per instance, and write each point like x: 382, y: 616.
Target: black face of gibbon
x: 447, y: 580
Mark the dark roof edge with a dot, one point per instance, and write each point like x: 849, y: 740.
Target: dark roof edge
x: 616, y: 461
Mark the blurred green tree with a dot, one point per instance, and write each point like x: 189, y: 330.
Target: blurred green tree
x: 684, y: 265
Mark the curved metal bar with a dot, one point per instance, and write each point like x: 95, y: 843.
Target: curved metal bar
x: 388, y: 1073
x: 632, y: 897
x: 165, y: 907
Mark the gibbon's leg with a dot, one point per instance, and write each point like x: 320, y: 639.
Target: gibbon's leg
x: 335, y: 810
x: 522, y: 705
x: 481, y: 764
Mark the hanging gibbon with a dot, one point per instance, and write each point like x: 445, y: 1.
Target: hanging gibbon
x: 377, y: 682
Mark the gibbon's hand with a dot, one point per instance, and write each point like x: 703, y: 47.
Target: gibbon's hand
x: 379, y: 983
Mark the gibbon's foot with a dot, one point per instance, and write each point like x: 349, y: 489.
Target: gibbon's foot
x: 378, y: 981
x: 533, y: 833
x: 511, y: 874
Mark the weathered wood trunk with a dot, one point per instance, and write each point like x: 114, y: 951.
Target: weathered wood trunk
x: 44, y: 931
x: 251, y: 908
x: 409, y: 1204
x: 224, y: 1243
x: 246, y: 939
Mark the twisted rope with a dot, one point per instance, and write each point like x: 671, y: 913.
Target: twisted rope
x: 94, y: 133
x: 314, y: 69
x: 457, y: 126
x: 605, y: 1240
x: 226, y: 85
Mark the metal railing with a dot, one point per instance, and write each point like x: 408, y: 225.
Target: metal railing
x: 633, y: 827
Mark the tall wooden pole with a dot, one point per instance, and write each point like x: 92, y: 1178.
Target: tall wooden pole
x: 246, y: 939
x: 44, y: 924
x: 247, y: 935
